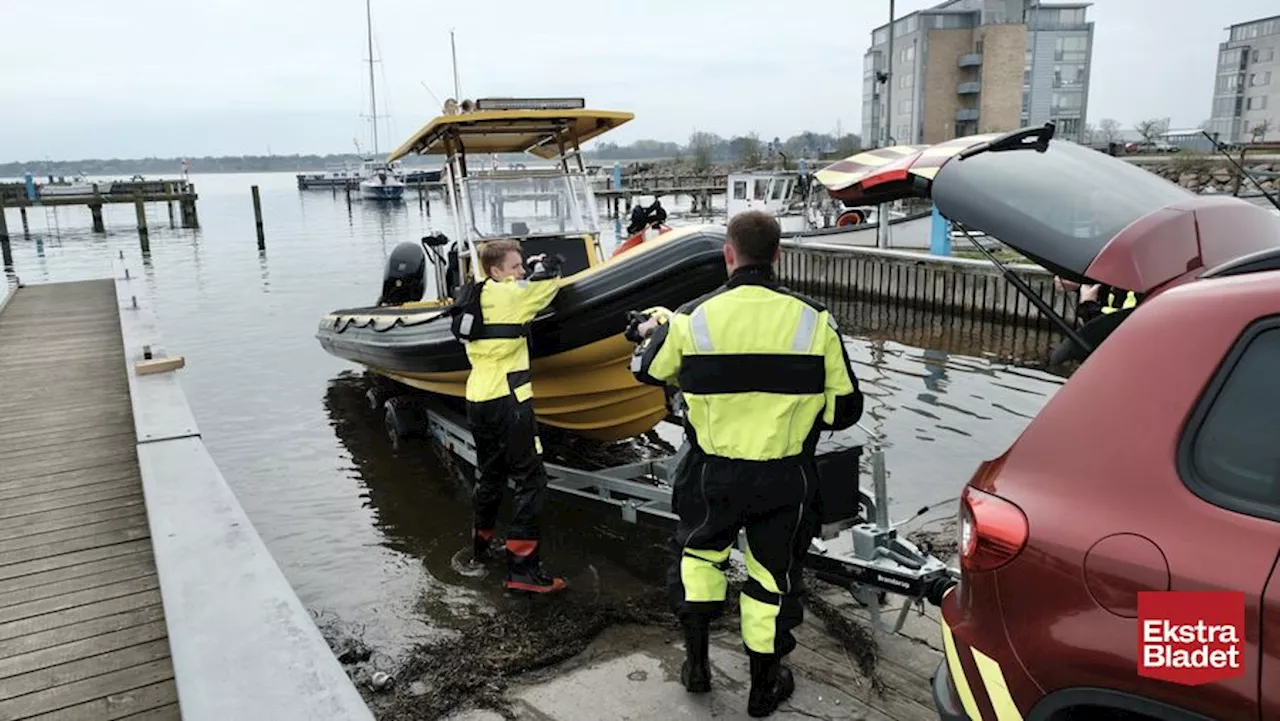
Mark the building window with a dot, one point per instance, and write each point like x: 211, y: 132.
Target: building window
x: 1067, y: 102
x: 908, y: 53
x: 1068, y: 76
x: 1227, y: 107
x: 1071, y: 48
x: 905, y: 81
x: 739, y: 190
x: 1230, y: 59
x: 977, y: 47
x: 1260, y: 79
x: 1026, y: 102
x: 1263, y: 55
x: 1258, y: 102
x: 1067, y: 127
x: 904, y: 134
x: 1228, y: 83
x: 904, y: 107
x: 880, y: 37
x: 1026, y: 76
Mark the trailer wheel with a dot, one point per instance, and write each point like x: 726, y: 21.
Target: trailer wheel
x: 376, y: 398
x: 402, y: 424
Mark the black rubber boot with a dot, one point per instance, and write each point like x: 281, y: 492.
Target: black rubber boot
x: 481, y: 554
x: 696, y: 672
x: 525, y: 573
x: 771, y: 684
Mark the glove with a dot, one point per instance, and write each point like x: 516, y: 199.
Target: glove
x: 637, y: 318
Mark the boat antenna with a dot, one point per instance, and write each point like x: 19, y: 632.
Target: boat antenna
x: 373, y: 97
x: 1218, y: 146
x: 1031, y: 295
x: 453, y: 48
x: 431, y: 92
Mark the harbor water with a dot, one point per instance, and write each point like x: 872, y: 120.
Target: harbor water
x: 366, y: 535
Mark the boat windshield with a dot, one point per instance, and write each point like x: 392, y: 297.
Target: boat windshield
x: 505, y: 206
x: 1060, y: 207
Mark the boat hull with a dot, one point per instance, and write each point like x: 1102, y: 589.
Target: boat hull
x: 374, y: 191
x: 580, y: 360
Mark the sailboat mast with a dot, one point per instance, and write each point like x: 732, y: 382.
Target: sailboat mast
x: 373, y: 98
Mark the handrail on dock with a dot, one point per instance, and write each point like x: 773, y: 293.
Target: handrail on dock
x: 243, y: 646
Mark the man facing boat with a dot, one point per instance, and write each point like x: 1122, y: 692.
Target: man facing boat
x: 494, y: 325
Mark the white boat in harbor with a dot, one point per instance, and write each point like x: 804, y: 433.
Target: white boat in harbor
x: 79, y: 185
x: 378, y: 181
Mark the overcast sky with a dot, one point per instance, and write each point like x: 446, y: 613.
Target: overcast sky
x: 85, y: 78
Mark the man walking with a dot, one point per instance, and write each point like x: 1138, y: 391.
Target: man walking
x: 762, y: 370
x: 493, y: 321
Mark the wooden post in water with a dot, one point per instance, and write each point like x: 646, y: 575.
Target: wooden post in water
x: 140, y: 210
x: 191, y: 205
x: 4, y: 227
x: 22, y: 211
x: 95, y: 210
x: 257, y: 218
x: 346, y: 188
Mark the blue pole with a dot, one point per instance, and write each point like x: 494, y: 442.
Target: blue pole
x: 31, y: 186
x: 617, y: 175
x: 940, y: 236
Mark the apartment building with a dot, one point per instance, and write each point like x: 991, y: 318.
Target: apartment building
x: 976, y: 66
x: 1246, y: 90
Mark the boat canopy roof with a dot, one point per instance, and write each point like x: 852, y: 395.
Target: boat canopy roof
x: 512, y: 126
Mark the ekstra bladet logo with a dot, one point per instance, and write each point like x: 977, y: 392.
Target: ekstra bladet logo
x: 1191, y: 637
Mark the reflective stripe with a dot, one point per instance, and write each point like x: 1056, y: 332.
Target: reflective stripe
x: 831, y: 321
x: 522, y: 283
x: 759, y: 623
x: 523, y: 392
x: 701, y: 576
x: 537, y: 445
x: 753, y: 373
x: 958, y: 678
x: 997, y: 691
x: 636, y: 359
x: 760, y: 573
x: 701, y: 331
x: 803, y: 339
x: 1130, y: 301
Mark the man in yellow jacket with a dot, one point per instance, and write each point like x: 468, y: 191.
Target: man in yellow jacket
x: 762, y: 371
x: 500, y: 407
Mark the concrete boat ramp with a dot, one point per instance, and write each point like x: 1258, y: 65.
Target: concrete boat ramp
x: 133, y: 585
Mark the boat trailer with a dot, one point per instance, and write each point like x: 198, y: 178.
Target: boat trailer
x: 867, y: 558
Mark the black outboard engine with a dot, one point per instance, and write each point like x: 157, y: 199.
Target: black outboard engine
x: 405, y: 279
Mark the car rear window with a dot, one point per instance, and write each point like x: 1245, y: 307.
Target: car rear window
x: 1235, y: 452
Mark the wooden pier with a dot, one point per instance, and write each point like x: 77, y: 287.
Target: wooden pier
x: 132, y: 585
x: 137, y: 193
x: 82, y: 627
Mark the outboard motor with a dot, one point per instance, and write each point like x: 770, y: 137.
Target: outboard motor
x: 405, y: 279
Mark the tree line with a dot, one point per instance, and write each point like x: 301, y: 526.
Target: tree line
x: 702, y: 150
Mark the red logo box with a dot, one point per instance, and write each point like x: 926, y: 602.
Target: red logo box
x: 1191, y: 637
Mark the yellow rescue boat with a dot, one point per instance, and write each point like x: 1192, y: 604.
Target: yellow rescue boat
x: 580, y: 360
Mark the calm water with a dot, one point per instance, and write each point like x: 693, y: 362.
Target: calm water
x: 367, y: 535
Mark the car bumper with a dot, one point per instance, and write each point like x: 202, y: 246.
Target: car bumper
x: 944, y: 695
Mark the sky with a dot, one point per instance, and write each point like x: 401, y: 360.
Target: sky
x: 154, y: 78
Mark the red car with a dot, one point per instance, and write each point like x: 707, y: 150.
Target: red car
x: 1156, y: 467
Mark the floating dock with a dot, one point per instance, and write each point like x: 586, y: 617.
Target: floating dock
x: 95, y: 195
x: 131, y: 581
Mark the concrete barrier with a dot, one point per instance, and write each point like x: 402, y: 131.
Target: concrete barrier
x: 243, y: 646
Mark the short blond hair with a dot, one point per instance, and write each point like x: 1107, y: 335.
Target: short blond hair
x: 494, y: 252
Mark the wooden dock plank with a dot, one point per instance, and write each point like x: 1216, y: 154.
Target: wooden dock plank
x: 82, y: 628
x: 125, y: 569
x: 93, y: 693
x: 82, y: 649
x: 91, y: 628
x: 47, y: 522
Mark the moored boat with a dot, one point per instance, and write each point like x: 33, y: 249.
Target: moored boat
x: 579, y: 358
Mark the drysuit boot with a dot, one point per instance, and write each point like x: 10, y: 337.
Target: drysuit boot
x: 771, y: 684
x: 525, y: 572
x: 480, y: 551
x: 696, y: 672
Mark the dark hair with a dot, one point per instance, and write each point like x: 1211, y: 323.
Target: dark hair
x: 494, y: 252
x: 754, y: 235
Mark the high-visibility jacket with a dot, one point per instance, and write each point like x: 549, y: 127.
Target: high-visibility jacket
x: 760, y: 368
x: 500, y: 363
x: 1130, y: 301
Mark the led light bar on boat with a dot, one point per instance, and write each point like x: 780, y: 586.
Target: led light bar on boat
x: 531, y: 103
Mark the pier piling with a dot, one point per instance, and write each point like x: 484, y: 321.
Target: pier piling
x: 26, y: 229
x: 4, y: 227
x: 140, y: 210
x: 257, y: 218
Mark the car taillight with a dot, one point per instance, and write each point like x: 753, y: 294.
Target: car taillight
x: 993, y: 531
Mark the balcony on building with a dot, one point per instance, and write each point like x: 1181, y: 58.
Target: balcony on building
x: 970, y: 60
x: 969, y: 88
x: 964, y: 115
